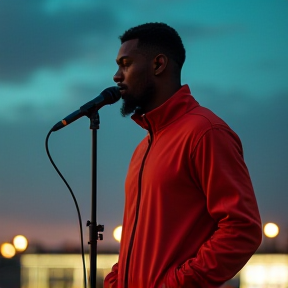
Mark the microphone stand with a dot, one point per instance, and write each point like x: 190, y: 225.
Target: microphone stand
x: 94, y: 229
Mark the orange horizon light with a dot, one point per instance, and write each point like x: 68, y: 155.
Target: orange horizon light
x: 7, y: 250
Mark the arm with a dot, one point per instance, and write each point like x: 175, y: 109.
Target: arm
x: 225, y: 181
x: 111, y: 280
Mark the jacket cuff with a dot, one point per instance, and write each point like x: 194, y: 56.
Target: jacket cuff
x: 111, y: 280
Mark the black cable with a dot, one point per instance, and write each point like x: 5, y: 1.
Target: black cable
x: 76, y: 204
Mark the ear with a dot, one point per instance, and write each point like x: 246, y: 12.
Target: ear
x: 160, y: 63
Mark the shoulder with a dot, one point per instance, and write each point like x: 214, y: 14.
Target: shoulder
x: 201, y: 122
x: 204, y: 118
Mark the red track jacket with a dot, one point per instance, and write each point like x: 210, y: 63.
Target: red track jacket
x: 191, y: 217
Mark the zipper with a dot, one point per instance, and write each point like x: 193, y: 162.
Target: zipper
x: 137, y: 205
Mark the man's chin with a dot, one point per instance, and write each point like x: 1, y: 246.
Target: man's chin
x: 128, y: 107
x: 127, y: 110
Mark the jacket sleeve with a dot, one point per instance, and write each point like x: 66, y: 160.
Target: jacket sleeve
x: 111, y: 280
x: 224, y: 179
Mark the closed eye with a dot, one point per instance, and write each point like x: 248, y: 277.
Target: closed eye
x: 124, y: 62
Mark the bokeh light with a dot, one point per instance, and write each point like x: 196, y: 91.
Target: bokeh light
x: 117, y: 233
x: 7, y: 250
x: 20, y: 243
x: 271, y: 230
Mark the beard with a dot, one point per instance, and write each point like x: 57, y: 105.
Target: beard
x: 132, y: 103
x: 129, y: 105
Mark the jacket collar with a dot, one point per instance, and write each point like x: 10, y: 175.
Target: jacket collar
x: 172, y: 109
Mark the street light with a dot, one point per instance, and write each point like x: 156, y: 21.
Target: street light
x: 20, y: 243
x: 7, y: 250
x: 117, y: 233
x: 271, y: 230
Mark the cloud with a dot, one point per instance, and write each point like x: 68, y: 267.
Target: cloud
x: 31, y: 38
x: 195, y: 31
x: 34, y: 36
x: 277, y: 67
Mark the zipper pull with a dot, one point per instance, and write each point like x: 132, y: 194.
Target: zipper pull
x: 149, y: 137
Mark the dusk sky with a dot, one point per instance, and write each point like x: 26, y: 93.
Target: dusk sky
x: 55, y: 55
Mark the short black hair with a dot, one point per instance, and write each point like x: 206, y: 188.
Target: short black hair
x: 157, y: 38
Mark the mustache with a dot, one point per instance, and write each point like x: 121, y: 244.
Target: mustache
x: 122, y: 86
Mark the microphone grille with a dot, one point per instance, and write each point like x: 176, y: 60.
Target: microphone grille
x: 111, y: 94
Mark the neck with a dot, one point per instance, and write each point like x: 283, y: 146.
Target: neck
x: 162, y: 93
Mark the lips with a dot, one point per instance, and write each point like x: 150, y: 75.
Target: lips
x: 122, y: 90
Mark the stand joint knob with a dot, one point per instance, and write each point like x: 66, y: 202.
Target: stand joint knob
x: 100, y: 228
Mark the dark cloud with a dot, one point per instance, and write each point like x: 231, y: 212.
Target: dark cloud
x: 32, y: 38
x: 196, y: 31
x: 84, y: 91
x: 271, y: 66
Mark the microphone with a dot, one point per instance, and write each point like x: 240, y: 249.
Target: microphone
x: 107, y: 96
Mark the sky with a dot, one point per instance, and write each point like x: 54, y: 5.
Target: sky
x: 57, y: 55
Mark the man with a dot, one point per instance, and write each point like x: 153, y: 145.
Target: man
x: 190, y: 218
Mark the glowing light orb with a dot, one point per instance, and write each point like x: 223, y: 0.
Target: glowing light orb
x: 271, y: 230
x: 7, y: 250
x: 117, y: 233
x: 20, y: 243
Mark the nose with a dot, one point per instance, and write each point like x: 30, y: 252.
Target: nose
x: 118, y: 77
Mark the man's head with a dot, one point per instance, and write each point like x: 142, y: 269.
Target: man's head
x: 157, y: 38
x: 150, y: 59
